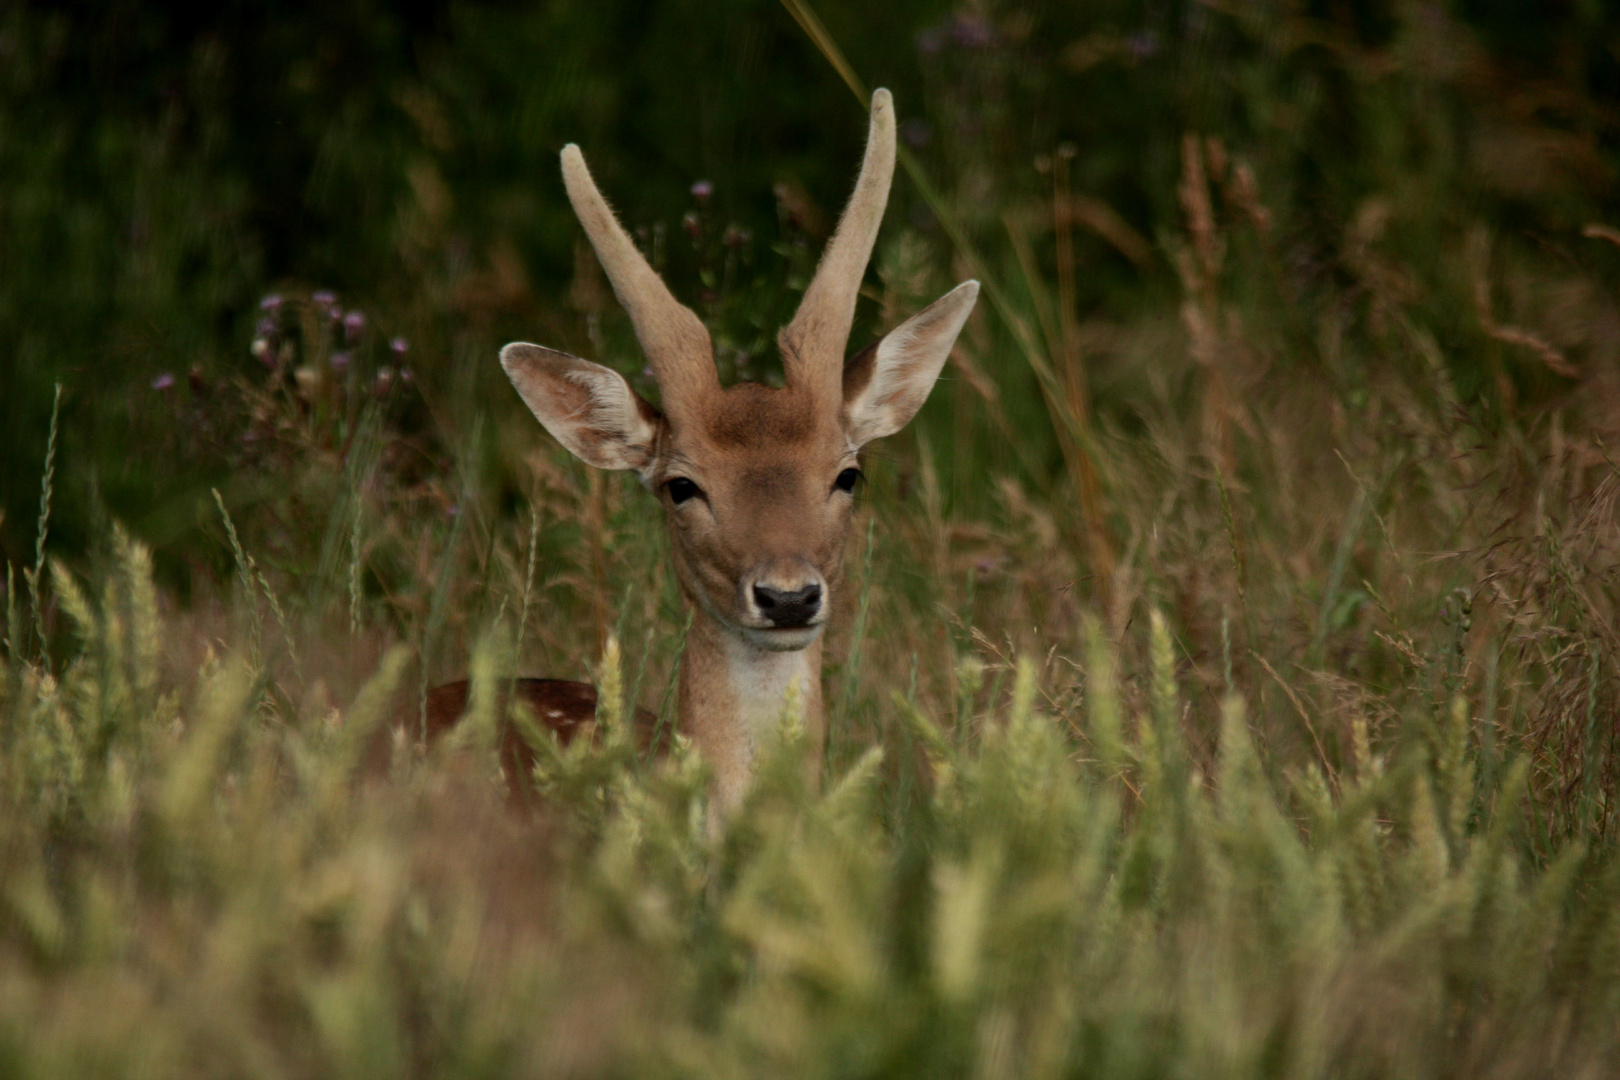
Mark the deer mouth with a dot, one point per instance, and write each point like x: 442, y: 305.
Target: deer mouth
x: 758, y: 631
x: 782, y: 638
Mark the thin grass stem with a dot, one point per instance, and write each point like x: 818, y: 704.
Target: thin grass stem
x: 44, y: 527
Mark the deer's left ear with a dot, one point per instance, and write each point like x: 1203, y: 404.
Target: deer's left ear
x: 885, y: 385
x: 589, y: 408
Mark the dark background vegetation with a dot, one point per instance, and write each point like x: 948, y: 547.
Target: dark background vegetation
x: 164, y: 166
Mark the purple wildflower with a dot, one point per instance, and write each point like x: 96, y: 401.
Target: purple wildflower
x: 400, y: 346
x: 702, y: 190
x: 340, y: 361
x: 271, y: 302
x: 163, y: 381
x: 353, y: 323
x: 973, y: 32
x: 324, y: 298
x: 916, y: 133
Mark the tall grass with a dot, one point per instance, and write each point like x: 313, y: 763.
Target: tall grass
x: 1225, y: 682
x: 198, y: 883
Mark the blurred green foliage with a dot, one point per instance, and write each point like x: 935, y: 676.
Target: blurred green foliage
x: 219, y: 895
x: 162, y: 167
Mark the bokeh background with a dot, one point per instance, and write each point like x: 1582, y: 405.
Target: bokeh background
x: 167, y: 166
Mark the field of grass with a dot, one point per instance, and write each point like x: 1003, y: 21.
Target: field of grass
x: 1226, y: 682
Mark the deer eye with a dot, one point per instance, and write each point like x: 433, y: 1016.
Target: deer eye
x: 848, y: 479
x: 680, y: 489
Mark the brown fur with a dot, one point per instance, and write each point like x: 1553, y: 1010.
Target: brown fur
x: 758, y: 546
x: 563, y: 707
x: 751, y: 416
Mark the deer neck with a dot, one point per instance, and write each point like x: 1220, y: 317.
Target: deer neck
x: 731, y: 702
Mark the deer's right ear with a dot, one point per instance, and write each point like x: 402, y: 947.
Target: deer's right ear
x: 886, y: 384
x: 588, y: 408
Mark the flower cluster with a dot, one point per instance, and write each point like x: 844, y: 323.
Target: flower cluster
x: 322, y: 368
x: 305, y: 334
x: 965, y: 30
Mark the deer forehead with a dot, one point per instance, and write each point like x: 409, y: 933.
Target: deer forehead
x: 763, y: 436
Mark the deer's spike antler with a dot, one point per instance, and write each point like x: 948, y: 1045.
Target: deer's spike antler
x: 813, y: 343
x: 675, y: 340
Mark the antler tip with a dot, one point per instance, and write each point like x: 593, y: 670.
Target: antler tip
x: 577, y: 177
x: 882, y: 131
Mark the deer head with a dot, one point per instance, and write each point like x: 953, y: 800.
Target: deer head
x: 756, y: 482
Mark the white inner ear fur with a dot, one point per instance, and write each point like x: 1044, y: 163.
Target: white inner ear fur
x: 908, y: 361
x: 588, y: 408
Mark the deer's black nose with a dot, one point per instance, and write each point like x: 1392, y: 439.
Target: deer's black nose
x: 788, y: 609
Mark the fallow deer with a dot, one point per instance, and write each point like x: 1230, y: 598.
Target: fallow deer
x: 756, y: 483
